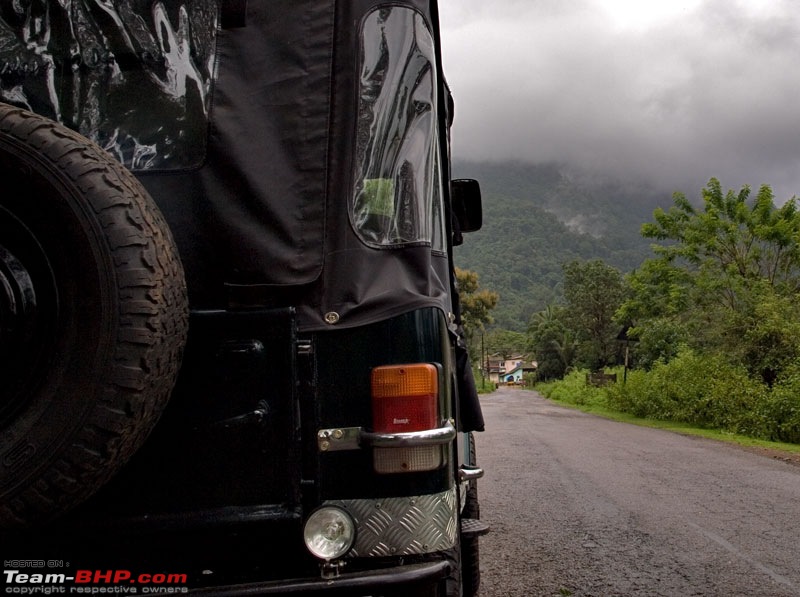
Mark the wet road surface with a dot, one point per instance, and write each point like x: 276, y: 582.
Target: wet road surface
x: 582, y: 506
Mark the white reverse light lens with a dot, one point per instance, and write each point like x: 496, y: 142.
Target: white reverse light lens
x: 407, y: 460
x: 329, y: 533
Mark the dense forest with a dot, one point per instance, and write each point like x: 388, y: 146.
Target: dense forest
x: 713, y: 314
x: 706, y: 317
x: 538, y: 218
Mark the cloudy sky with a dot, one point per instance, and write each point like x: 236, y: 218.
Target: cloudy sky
x: 672, y: 92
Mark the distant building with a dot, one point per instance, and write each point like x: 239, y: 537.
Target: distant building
x: 508, y: 370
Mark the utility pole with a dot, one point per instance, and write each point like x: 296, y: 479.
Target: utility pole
x: 483, y: 363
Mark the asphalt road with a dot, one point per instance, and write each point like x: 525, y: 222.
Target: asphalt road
x: 580, y: 505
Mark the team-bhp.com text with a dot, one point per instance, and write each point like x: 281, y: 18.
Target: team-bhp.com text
x: 93, y: 582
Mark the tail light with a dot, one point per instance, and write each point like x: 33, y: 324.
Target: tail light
x: 405, y: 398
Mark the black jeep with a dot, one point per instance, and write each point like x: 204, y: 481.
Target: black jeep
x: 230, y: 343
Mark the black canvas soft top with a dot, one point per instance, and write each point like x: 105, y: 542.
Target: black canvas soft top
x: 244, y: 135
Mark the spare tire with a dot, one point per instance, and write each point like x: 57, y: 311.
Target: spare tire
x: 93, y: 317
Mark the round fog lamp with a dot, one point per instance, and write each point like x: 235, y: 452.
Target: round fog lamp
x: 329, y: 533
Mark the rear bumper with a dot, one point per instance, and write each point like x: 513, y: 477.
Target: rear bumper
x: 355, y: 583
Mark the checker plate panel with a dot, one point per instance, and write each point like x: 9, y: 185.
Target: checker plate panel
x: 402, y: 526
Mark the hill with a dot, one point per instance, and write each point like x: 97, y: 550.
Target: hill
x: 538, y: 217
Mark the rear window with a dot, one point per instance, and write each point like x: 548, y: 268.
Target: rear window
x: 397, y: 197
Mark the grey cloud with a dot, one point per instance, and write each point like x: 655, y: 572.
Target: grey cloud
x: 712, y: 94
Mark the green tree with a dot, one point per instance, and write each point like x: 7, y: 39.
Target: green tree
x: 594, y: 291
x: 732, y: 238
x: 725, y: 278
x: 476, y: 303
x: 552, y: 343
x: 765, y: 337
x: 506, y: 343
x: 660, y: 297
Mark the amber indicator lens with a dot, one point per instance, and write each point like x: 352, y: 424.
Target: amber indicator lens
x: 405, y: 398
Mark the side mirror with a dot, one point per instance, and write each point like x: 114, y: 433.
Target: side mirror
x: 465, y: 195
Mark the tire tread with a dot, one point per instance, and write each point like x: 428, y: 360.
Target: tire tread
x: 151, y: 320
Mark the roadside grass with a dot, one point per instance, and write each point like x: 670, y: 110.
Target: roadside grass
x: 483, y: 385
x: 573, y: 392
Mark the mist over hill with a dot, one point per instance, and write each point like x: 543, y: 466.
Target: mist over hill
x: 536, y: 217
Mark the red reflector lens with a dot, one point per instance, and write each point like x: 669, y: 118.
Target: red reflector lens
x: 404, y: 398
